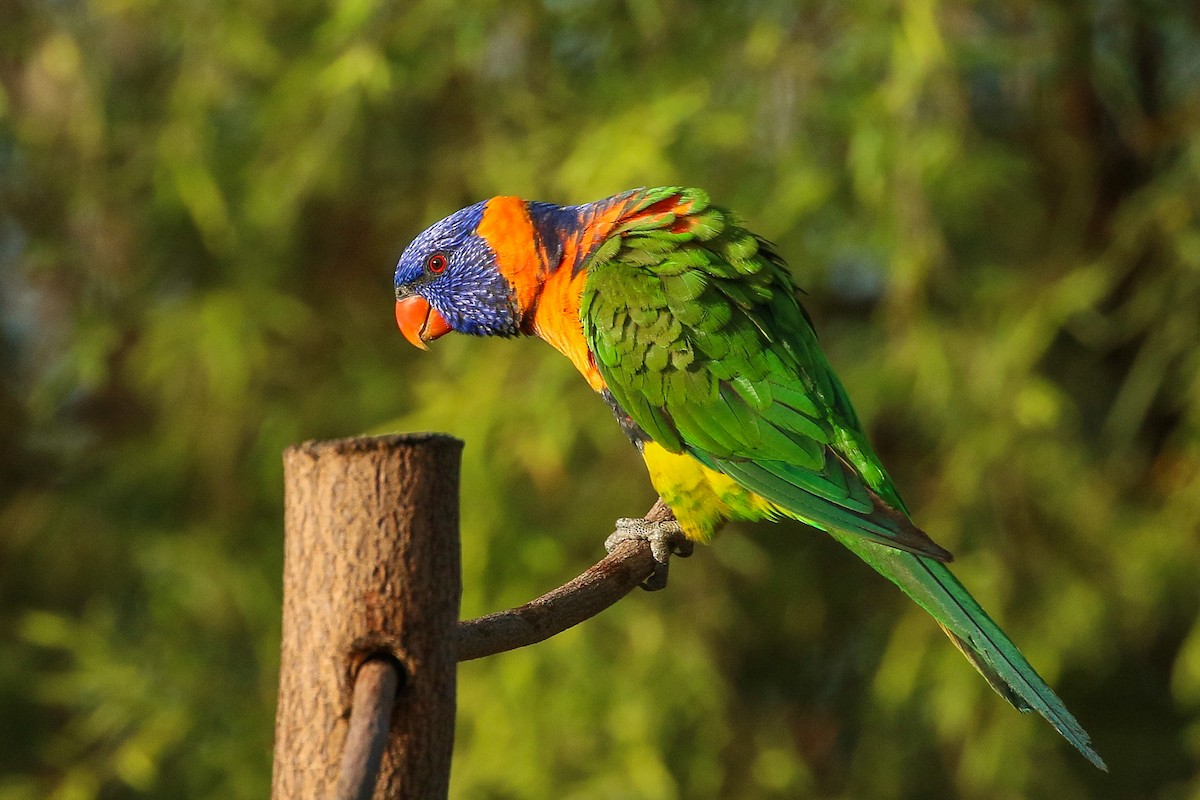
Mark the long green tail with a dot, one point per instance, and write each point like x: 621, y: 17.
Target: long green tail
x: 935, y: 589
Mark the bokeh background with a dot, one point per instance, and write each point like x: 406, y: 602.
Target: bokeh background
x: 993, y: 206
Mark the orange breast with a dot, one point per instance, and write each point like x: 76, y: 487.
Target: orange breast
x: 557, y: 321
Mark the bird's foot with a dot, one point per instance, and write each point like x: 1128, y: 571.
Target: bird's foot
x: 666, y: 539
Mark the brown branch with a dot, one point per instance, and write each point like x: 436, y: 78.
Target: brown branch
x: 370, y: 714
x: 603, y: 584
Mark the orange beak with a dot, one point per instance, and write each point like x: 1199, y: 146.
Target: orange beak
x: 419, y: 321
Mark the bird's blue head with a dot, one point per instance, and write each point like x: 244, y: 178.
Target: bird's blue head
x: 450, y: 279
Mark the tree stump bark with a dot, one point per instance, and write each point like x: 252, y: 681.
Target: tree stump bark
x: 371, y: 571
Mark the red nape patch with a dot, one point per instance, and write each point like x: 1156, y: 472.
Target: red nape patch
x: 668, y: 205
x: 675, y: 208
x: 683, y: 224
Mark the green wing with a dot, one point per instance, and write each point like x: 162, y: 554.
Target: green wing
x: 696, y: 329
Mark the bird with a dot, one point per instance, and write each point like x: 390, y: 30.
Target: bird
x: 691, y: 328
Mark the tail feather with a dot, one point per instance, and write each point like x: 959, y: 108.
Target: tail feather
x: 935, y: 589
x: 985, y: 669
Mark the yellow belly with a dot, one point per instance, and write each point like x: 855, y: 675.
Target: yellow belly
x: 701, y: 498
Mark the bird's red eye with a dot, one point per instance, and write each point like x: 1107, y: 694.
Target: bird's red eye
x: 436, y: 263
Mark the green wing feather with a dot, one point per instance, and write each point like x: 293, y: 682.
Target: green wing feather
x: 696, y: 328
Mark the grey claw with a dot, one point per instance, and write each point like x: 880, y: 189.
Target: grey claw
x: 665, y: 538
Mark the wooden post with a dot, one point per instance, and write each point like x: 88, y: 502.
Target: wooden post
x: 371, y: 573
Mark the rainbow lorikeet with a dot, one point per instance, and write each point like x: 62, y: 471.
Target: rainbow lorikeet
x: 690, y: 328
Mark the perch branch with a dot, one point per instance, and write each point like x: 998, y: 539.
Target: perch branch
x: 597, y: 588
x: 370, y: 715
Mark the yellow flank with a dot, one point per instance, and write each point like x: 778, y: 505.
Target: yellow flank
x: 701, y: 498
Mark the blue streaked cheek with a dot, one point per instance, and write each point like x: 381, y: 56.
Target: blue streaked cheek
x: 480, y: 304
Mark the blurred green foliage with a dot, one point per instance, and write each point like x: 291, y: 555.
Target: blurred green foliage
x: 993, y: 206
